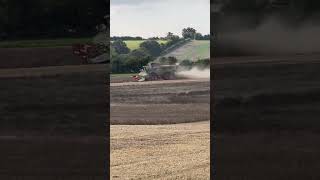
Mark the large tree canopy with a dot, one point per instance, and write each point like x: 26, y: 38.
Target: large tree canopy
x: 152, y: 47
x: 50, y: 18
x: 189, y: 33
x: 120, y: 47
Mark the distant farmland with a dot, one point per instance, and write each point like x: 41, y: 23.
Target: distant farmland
x: 134, y: 44
x: 193, y: 50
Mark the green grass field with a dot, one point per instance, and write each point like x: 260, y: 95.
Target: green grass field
x: 134, y: 44
x: 193, y: 50
x: 43, y: 42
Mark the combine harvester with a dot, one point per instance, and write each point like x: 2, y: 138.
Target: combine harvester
x: 90, y: 53
x: 189, y: 49
x: 97, y: 51
x: 156, y: 71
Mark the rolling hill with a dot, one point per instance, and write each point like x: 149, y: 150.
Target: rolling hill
x: 193, y: 50
x: 134, y: 44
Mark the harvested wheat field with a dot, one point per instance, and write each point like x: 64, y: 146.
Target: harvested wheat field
x: 38, y: 57
x: 179, y: 151
x: 52, y: 124
x: 267, y: 117
x: 160, y: 129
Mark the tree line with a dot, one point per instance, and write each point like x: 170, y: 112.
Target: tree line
x: 21, y: 19
x: 186, y: 33
x: 123, y: 60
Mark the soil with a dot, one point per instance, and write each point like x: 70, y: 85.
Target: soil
x: 179, y: 151
x: 160, y: 102
x: 37, y: 57
x: 53, y: 122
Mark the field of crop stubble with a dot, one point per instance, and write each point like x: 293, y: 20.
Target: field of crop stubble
x: 267, y: 116
x: 160, y: 129
x: 52, y: 119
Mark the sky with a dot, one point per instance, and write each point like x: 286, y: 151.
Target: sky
x: 149, y: 18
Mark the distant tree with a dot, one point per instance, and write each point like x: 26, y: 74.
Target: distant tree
x: 198, y: 36
x: 49, y: 18
x: 172, y: 60
x: 136, y: 59
x: 169, y: 35
x: 175, y: 38
x: 203, y: 63
x: 186, y: 63
x: 113, y: 52
x: 140, y: 53
x: 152, y: 47
x: 120, y: 47
x: 171, y: 39
x: 168, y: 60
x: 153, y: 38
x: 206, y: 37
x: 118, y: 63
x: 163, y: 46
x: 163, y: 60
x: 189, y: 33
x: 125, y: 38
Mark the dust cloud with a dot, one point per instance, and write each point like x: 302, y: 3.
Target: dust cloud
x: 273, y: 37
x: 194, y: 73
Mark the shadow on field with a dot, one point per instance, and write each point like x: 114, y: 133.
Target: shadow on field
x: 38, y: 57
x: 269, y: 112
x: 54, y: 126
x: 266, y: 117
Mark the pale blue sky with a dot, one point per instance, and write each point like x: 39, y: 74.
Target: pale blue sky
x: 149, y: 18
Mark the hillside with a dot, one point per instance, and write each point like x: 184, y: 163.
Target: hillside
x: 134, y: 44
x: 193, y: 50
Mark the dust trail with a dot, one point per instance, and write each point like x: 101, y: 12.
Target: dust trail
x: 274, y: 37
x: 195, y: 73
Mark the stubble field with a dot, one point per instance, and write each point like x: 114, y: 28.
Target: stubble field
x: 160, y: 129
x: 266, y: 113
x: 53, y: 121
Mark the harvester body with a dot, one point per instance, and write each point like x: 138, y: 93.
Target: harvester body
x: 91, y: 53
x: 156, y: 71
x: 97, y: 51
